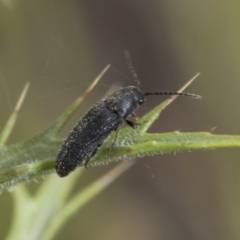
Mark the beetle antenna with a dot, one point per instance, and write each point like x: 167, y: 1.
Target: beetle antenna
x: 175, y: 93
x: 130, y: 67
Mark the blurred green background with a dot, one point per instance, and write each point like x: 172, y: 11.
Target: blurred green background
x: 60, y: 47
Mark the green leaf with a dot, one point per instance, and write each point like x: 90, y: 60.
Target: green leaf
x: 40, y: 217
x: 36, y: 157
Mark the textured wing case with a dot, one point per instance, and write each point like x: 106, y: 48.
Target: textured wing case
x: 84, y: 140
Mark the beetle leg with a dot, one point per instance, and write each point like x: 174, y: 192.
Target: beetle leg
x: 130, y: 123
x: 135, y: 116
x: 86, y: 162
x: 115, y: 138
x: 92, y: 155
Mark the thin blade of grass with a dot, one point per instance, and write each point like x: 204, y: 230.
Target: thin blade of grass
x: 84, y: 197
x: 7, y: 130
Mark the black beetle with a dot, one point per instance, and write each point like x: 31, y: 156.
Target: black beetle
x: 100, y: 121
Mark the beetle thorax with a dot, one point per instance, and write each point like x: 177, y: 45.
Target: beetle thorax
x: 125, y: 101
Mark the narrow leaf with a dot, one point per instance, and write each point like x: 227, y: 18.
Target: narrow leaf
x: 84, y: 197
x: 13, y: 118
x: 146, y: 122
